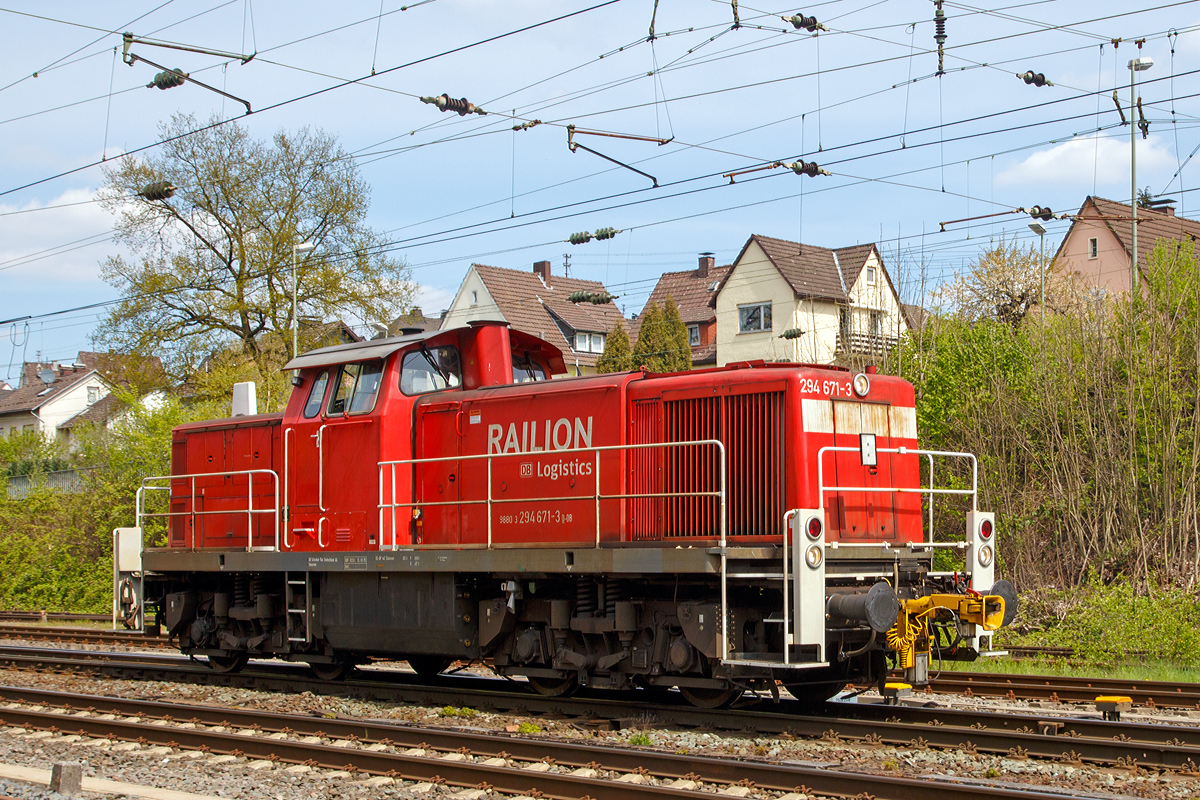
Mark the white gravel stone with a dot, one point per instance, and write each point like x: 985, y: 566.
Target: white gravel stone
x: 632, y: 777
x: 536, y: 766
x: 422, y: 788
x: 261, y: 764
x: 378, y: 780
x: 734, y: 791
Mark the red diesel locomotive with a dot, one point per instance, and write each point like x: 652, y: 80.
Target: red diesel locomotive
x: 436, y: 497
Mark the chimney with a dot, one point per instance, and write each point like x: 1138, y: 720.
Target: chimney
x: 1170, y: 211
x: 542, y: 270
x: 707, y: 262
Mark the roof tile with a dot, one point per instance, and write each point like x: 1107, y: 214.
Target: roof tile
x: 533, y: 307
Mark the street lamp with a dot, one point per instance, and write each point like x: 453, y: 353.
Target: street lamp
x: 1040, y: 230
x: 302, y: 247
x: 1136, y: 65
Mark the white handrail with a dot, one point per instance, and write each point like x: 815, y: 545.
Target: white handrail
x: 147, y: 486
x: 930, y: 490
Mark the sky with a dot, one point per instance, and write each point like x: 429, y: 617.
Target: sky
x: 907, y: 149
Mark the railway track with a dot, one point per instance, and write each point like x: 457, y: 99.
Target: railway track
x: 1090, y: 739
x: 1153, y: 694
x: 513, y: 765
x: 79, y: 635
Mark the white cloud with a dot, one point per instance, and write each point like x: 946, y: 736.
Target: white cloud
x: 65, y: 244
x: 1069, y: 167
x: 432, y: 299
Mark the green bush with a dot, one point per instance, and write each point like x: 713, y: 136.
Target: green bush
x: 1109, y: 624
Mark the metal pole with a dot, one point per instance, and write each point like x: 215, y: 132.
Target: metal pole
x: 1135, y: 284
x: 295, y: 325
x: 1042, y: 261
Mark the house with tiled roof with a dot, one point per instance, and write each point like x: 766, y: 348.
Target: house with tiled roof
x: 693, y: 291
x: 535, y: 302
x: 787, y: 301
x: 1098, y: 245
x: 51, y: 394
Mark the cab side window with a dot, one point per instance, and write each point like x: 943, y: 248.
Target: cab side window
x: 357, y: 388
x: 316, y: 394
x: 430, y: 370
x: 525, y: 369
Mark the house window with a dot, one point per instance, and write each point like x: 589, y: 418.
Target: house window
x: 693, y: 335
x: 844, y: 322
x: 582, y: 342
x: 26, y: 428
x: 93, y: 394
x: 474, y: 298
x: 1093, y: 247
x: 755, y: 317
x: 870, y: 276
x: 597, y: 342
x: 430, y: 370
x: 876, y: 323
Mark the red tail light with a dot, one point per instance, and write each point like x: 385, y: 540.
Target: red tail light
x: 985, y: 529
x: 814, y: 528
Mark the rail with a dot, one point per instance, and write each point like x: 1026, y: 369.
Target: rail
x: 927, y: 490
x: 597, y: 496
x: 148, y: 486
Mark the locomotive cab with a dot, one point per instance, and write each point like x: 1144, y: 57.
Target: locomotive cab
x: 440, y: 496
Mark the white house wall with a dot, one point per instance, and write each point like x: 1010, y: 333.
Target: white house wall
x: 754, y: 280
x: 16, y: 422
x: 67, y: 404
x: 462, y: 310
x: 865, y: 298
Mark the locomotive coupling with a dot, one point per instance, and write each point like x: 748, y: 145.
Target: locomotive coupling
x: 909, y: 637
x: 878, y: 607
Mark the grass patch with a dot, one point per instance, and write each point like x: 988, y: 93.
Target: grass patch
x: 451, y: 711
x: 529, y: 727
x: 1112, y: 631
x: 641, y: 739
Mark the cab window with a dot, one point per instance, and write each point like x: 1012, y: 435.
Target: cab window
x: 430, y: 370
x: 315, y: 395
x: 357, y: 388
x: 525, y: 369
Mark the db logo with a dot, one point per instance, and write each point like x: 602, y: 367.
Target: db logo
x: 526, y: 469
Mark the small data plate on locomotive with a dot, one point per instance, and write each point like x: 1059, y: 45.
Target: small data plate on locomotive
x: 866, y: 449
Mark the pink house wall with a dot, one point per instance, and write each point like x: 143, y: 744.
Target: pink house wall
x: 1109, y: 270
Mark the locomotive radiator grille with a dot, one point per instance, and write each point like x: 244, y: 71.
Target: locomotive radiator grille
x: 751, y: 427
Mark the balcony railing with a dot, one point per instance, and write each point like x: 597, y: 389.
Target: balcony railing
x: 866, y: 344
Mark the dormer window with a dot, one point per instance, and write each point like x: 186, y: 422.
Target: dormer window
x: 870, y: 276
x: 693, y: 335
x: 589, y: 343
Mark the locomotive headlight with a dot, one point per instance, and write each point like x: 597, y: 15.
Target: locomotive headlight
x: 862, y: 384
x: 813, y: 556
x: 985, y: 556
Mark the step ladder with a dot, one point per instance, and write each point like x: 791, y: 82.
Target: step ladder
x: 296, y: 594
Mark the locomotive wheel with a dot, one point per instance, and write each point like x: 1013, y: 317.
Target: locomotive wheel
x: 228, y: 664
x: 555, y: 687
x: 710, y: 698
x: 429, y: 666
x: 336, y: 671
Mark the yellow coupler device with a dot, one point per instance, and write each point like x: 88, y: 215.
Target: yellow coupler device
x: 909, y: 637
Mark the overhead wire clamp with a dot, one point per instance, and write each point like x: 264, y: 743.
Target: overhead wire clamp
x: 444, y: 102
x: 1034, y: 78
